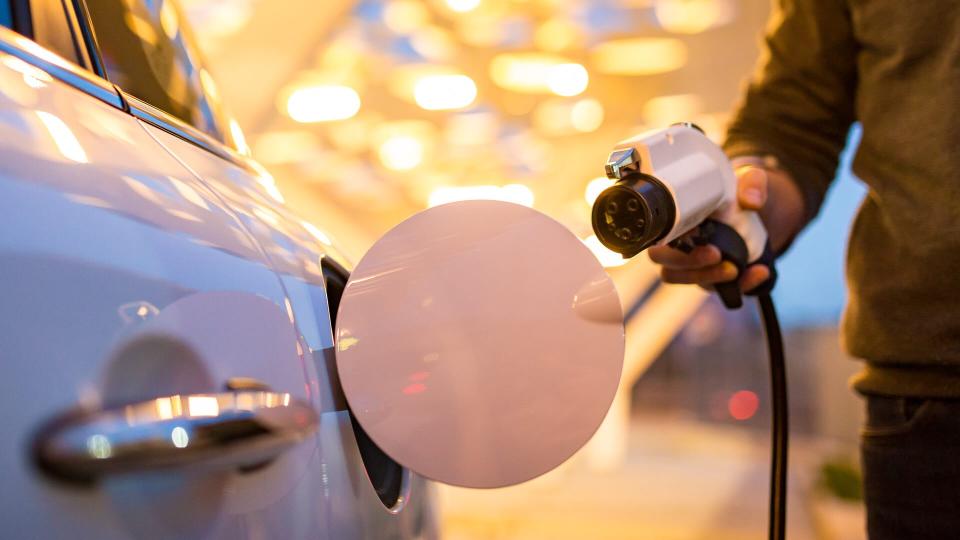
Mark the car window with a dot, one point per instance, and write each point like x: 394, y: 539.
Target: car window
x: 52, y: 29
x: 6, y: 16
x: 148, y: 53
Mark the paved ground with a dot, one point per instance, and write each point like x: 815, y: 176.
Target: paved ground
x: 682, y: 481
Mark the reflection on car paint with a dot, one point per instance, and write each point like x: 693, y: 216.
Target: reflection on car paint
x: 137, y: 311
x: 63, y: 137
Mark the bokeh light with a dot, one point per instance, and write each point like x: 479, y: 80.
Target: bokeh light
x: 401, y: 152
x: 567, y: 79
x: 595, y: 187
x: 445, y: 92
x: 607, y: 258
x: 538, y: 73
x: 405, y: 16
x: 639, y: 56
x: 692, y: 16
x: 323, y: 103
x: 743, y: 405
x: 587, y: 115
x: 557, y: 35
x: 463, y: 6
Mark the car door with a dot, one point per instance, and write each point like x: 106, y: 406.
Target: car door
x: 129, y: 286
x: 367, y: 495
x: 364, y: 494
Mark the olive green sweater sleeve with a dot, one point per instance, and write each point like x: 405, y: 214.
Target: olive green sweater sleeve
x: 800, y: 104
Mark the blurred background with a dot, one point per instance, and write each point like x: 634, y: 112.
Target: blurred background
x: 368, y: 111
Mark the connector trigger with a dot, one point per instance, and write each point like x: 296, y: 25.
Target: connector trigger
x: 733, y: 249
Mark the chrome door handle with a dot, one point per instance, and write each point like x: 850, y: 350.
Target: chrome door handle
x: 205, y: 432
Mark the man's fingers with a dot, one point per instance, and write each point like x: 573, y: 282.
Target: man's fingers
x: 751, y: 187
x: 700, y: 257
x: 754, y: 277
x: 717, y: 273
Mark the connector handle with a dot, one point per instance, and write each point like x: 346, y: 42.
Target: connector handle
x: 733, y: 249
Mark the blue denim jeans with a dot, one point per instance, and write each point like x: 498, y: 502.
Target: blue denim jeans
x: 910, y: 452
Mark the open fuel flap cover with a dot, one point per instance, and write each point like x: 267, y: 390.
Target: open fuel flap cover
x: 479, y: 343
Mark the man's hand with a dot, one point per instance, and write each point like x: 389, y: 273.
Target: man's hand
x: 768, y: 191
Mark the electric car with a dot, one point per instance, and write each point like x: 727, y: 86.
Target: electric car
x: 166, y: 336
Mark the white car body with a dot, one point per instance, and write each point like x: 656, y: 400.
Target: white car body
x: 141, y: 258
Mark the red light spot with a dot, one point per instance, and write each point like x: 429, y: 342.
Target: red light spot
x: 414, y: 388
x: 743, y: 405
x: 419, y: 376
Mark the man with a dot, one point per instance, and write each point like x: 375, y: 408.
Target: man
x: 894, y: 66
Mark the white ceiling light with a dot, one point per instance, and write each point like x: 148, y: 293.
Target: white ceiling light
x: 323, y: 103
x: 444, y: 92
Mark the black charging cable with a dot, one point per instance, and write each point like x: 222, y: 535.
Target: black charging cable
x: 780, y: 430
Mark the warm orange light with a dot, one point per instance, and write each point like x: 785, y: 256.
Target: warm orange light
x: 141, y: 27
x: 434, y: 43
x: 563, y: 117
x: 639, y: 56
x: 481, y: 29
x: 552, y: 117
x: 285, y: 146
x: 169, y: 21
x: 556, y: 35
x: 472, y: 128
x: 401, y: 152
x: 405, y: 16
x: 692, y: 16
x: 665, y: 110
x: 586, y: 115
x: 538, y: 73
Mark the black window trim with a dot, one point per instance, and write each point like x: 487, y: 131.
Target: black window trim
x: 73, y: 24
x: 81, y: 15
x: 22, y: 21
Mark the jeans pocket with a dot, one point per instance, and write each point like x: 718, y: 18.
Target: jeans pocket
x: 889, y: 416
